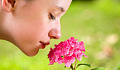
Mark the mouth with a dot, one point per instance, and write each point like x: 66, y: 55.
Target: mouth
x: 44, y: 44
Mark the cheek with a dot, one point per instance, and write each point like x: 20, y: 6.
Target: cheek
x: 33, y: 32
x: 27, y: 36
x: 32, y: 26
x: 25, y: 33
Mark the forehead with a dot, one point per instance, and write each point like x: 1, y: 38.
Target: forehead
x: 61, y: 4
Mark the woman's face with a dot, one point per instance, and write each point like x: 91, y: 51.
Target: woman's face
x: 35, y: 22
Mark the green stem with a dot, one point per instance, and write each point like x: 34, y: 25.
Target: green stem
x: 75, y: 64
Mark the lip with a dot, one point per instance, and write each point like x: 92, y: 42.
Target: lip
x: 44, y: 44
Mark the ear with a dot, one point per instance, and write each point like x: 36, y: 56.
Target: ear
x: 8, y: 5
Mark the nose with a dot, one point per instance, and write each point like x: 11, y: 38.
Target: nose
x: 55, y: 32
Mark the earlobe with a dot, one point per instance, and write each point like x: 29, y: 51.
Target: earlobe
x: 8, y: 5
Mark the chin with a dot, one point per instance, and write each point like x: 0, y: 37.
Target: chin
x: 31, y: 54
x: 29, y: 50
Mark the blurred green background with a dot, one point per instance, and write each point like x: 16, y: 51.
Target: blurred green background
x: 96, y: 22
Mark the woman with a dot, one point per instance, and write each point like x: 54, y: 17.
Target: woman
x: 31, y: 24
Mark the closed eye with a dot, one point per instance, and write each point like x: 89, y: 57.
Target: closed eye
x: 51, y: 16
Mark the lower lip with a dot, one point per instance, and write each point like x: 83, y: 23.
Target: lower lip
x: 43, y: 45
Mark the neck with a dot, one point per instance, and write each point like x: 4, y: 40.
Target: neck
x: 4, y: 28
x: 1, y: 22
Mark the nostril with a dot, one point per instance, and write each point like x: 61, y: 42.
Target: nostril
x: 54, y: 38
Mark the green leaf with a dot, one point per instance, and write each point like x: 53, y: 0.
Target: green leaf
x: 71, y: 66
x: 65, y: 66
x: 99, y: 68
x: 85, y: 65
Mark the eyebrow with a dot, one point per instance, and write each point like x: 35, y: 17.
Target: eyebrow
x: 61, y: 9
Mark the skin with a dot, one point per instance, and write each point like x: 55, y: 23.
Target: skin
x: 31, y: 24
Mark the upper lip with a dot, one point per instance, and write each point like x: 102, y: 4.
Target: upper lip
x: 45, y: 43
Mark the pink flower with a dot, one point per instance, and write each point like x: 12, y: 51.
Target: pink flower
x: 66, y: 52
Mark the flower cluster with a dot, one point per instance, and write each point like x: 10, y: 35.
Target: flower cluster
x: 66, y: 52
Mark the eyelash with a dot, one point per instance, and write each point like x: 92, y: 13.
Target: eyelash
x: 51, y: 16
